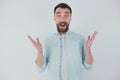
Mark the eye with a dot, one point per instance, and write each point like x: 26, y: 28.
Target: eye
x: 58, y: 15
x: 66, y: 15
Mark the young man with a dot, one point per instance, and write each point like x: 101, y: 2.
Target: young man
x: 64, y: 52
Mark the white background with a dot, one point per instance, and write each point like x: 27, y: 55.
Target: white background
x: 20, y: 18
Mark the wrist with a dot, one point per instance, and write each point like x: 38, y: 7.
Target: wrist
x: 39, y: 51
x: 88, y: 51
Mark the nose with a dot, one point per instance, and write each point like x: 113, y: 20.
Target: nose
x: 62, y: 18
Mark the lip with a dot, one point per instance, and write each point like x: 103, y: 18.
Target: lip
x: 62, y: 26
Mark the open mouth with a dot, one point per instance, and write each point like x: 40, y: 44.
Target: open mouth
x: 62, y: 27
x: 62, y: 24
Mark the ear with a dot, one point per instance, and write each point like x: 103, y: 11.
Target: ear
x: 54, y: 18
x: 70, y: 17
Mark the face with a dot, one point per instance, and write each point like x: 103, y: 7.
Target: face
x: 62, y: 18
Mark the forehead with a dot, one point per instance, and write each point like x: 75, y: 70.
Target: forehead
x: 62, y: 10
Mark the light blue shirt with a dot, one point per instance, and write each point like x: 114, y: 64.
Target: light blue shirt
x: 75, y: 56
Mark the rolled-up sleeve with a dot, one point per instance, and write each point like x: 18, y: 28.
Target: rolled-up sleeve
x: 88, y: 66
x: 41, y: 68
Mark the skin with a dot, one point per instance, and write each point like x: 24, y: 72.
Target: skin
x: 62, y: 19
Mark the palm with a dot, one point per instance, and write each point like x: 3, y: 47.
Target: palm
x: 90, y: 40
x: 36, y: 43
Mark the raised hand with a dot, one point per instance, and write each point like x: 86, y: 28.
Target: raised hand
x: 36, y: 43
x: 90, y: 41
x: 38, y: 46
x: 89, y: 57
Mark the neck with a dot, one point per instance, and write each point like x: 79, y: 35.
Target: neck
x: 62, y: 33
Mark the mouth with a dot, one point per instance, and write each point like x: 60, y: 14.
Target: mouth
x: 62, y: 27
x: 62, y: 24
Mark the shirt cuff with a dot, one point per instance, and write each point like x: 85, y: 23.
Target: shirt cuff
x: 88, y: 66
x: 41, y: 68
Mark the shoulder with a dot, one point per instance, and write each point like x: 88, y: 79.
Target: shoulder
x: 77, y: 35
x: 50, y: 38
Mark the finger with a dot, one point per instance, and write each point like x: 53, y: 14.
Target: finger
x: 37, y: 40
x: 30, y: 38
x: 88, y: 39
x: 33, y: 41
x: 93, y: 37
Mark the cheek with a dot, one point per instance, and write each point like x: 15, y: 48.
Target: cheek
x: 56, y: 20
x: 68, y: 21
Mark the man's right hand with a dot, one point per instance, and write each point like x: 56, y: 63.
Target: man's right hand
x: 36, y: 43
x: 38, y: 46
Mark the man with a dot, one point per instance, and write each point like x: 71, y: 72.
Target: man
x: 64, y: 52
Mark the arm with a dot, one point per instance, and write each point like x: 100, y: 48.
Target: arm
x: 38, y: 46
x: 89, y: 57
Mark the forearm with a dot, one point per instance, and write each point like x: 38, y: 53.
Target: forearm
x: 40, y: 59
x: 89, y: 58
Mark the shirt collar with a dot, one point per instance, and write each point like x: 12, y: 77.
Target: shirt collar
x: 67, y: 33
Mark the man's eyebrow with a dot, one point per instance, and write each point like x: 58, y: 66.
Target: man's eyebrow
x: 58, y: 12
x: 66, y: 12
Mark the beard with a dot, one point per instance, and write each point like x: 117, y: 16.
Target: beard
x: 62, y: 27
